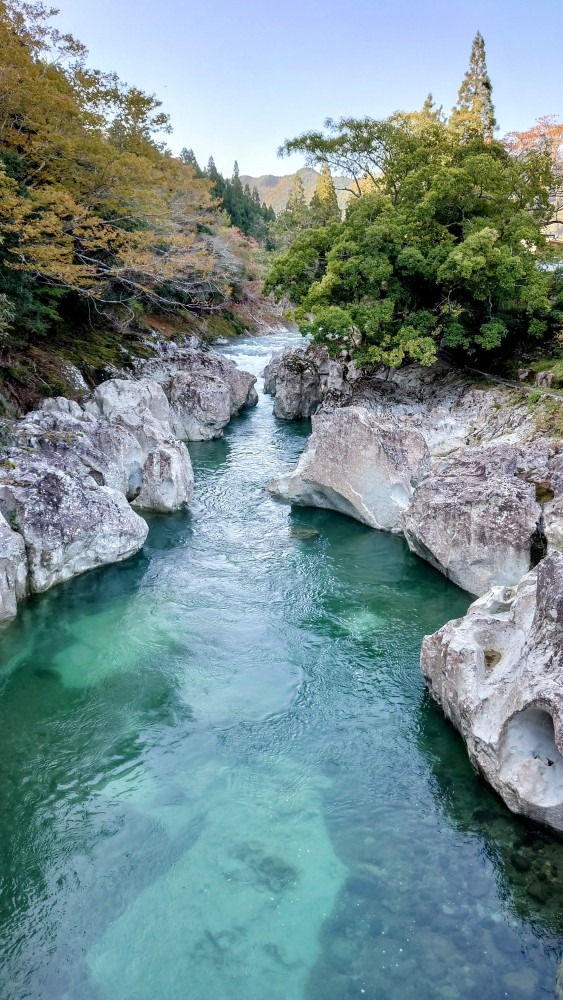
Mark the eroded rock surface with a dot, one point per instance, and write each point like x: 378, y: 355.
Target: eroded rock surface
x: 13, y: 570
x: 484, y: 509
x: 300, y: 378
x: 204, y: 389
x: 498, y: 675
x: 358, y: 464
x: 73, y: 469
x: 475, y: 523
x: 69, y: 523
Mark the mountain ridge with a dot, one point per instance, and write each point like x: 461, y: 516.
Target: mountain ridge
x: 274, y: 190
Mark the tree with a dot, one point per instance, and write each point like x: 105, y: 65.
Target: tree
x: 546, y: 136
x: 324, y: 203
x: 188, y: 158
x: 93, y: 208
x: 444, y: 247
x: 474, y: 114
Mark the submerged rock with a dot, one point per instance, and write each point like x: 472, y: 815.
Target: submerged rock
x: 358, y: 464
x: 498, y: 675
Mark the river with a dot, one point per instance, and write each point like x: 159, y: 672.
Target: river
x: 222, y: 778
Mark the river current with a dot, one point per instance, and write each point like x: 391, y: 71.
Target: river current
x: 221, y: 776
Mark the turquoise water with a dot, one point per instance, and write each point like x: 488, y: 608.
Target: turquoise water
x: 222, y: 778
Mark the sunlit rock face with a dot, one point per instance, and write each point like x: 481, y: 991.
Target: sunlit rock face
x: 358, y: 464
x: 498, y: 675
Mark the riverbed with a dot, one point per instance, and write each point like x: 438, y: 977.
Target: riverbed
x: 222, y: 777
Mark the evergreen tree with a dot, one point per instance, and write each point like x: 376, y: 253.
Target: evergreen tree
x: 474, y: 113
x: 211, y: 169
x: 295, y: 218
x: 188, y: 157
x: 324, y: 203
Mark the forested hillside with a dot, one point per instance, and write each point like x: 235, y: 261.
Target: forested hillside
x: 100, y: 226
x: 274, y: 191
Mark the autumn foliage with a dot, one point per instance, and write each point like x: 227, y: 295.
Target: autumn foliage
x: 93, y: 207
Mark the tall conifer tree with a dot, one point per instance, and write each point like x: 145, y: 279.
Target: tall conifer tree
x: 324, y: 203
x: 474, y: 113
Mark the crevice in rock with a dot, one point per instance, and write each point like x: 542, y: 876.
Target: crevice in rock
x: 538, y: 544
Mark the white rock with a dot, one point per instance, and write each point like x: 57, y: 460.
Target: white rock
x: 118, y: 397
x: 167, y: 479
x: 358, y: 464
x: 205, y: 390
x: 498, y: 675
x: 475, y: 528
x: 200, y: 407
x: 69, y: 524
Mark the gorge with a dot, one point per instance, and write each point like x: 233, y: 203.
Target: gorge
x: 219, y: 755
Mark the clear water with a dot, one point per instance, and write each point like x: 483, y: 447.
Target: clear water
x: 221, y: 776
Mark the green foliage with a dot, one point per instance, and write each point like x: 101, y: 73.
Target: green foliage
x: 241, y: 205
x: 474, y: 115
x: 443, y: 244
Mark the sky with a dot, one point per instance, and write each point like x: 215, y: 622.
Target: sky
x: 237, y: 78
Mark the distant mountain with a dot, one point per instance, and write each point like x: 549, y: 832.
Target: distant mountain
x: 275, y: 190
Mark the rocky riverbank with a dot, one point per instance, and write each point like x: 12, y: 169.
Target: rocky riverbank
x: 472, y: 476
x: 73, y: 472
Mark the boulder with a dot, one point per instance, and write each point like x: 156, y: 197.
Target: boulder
x: 127, y: 397
x: 498, y: 675
x: 201, y: 408
x: 358, y: 464
x: 476, y: 523
x: 69, y: 523
x: 167, y: 482
x: 205, y: 391
x: 13, y: 570
x: 270, y: 373
x: 123, y: 426
x: 297, y: 384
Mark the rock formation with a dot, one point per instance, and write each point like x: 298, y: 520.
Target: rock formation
x: 73, y: 469
x: 358, y: 464
x: 482, y: 510
x: 205, y: 391
x: 498, y: 675
x: 300, y: 378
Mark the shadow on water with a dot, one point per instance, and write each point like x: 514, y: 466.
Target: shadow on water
x: 527, y: 861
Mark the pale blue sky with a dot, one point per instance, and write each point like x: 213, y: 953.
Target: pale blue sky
x: 239, y: 78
